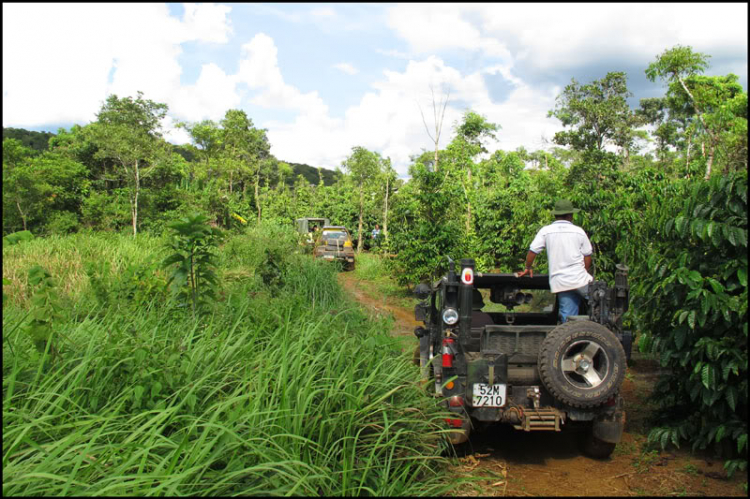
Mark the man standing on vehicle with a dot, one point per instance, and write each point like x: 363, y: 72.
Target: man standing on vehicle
x: 569, y: 254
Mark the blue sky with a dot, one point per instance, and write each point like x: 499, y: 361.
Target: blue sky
x: 323, y: 78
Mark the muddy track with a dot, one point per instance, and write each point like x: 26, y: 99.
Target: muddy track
x: 517, y: 463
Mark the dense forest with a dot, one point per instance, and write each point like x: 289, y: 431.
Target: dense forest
x: 661, y: 188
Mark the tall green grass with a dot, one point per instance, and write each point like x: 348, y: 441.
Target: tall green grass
x: 374, y: 268
x: 285, y: 389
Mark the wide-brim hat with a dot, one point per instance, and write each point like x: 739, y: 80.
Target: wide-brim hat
x: 564, y: 207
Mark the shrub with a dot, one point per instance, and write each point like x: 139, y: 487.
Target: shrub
x: 62, y: 222
x: 193, y: 262
x: 691, y: 302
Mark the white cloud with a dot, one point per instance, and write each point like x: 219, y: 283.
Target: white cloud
x: 208, y: 22
x: 430, y: 28
x: 564, y: 35
x: 393, y: 53
x: 172, y: 133
x: 388, y: 120
x: 323, y: 12
x: 259, y: 69
x: 57, y: 58
x: 345, y: 67
x: 209, y: 98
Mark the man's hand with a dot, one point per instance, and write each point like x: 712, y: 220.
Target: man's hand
x: 528, y: 271
x: 529, y: 262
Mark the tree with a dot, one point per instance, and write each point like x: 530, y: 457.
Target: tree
x: 128, y: 131
x: 597, y: 113
x: 246, y: 150
x: 18, y: 184
x: 676, y: 66
x: 235, y: 135
x: 207, y: 138
x: 285, y: 171
x: 389, y: 178
x: 438, y: 121
x: 469, y: 135
x: 363, y: 166
x: 41, y: 189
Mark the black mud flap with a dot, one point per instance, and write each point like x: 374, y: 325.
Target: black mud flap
x: 609, y: 426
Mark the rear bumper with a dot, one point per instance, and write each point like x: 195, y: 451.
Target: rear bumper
x: 342, y: 258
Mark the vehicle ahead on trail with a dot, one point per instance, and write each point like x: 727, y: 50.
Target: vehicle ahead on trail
x: 308, y: 228
x: 335, y: 243
x: 523, y: 368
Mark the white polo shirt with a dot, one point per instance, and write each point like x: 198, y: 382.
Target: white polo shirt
x: 566, y: 245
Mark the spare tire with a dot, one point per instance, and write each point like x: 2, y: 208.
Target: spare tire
x: 582, y: 363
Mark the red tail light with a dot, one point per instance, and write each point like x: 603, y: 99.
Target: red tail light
x: 448, y: 352
x: 456, y: 401
x: 612, y: 401
x: 456, y: 423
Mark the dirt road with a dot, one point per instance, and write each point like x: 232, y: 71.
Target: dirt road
x: 517, y: 463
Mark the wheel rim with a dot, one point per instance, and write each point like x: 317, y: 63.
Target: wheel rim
x: 585, y: 364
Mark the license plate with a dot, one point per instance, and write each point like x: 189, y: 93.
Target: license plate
x: 485, y: 395
x: 328, y: 257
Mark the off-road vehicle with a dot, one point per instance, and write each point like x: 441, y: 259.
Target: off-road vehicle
x: 523, y: 368
x: 335, y: 243
x: 306, y: 226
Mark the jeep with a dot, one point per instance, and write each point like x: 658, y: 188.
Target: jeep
x: 335, y: 244
x: 493, y: 364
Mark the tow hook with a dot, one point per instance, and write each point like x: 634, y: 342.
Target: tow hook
x: 534, y: 394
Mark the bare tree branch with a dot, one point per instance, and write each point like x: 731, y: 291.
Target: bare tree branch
x: 438, y: 122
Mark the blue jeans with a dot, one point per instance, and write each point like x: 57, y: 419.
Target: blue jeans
x: 570, y: 301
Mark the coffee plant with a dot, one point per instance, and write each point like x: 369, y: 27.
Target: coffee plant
x: 691, y: 302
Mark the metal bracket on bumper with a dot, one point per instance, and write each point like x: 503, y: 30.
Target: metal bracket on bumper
x: 547, y: 419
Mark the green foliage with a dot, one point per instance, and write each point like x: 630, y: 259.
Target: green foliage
x: 127, y: 132
x: 310, y: 173
x: 684, y: 239
x: 18, y: 237
x: 136, y: 285
x: 45, y: 309
x: 106, y: 211
x: 62, y: 222
x: 425, y: 235
x: 364, y: 167
x: 597, y: 113
x: 181, y: 398
x: 193, y: 262
x: 37, y: 141
x: 691, y: 300
x: 36, y: 188
x: 5, y: 282
x: 677, y: 62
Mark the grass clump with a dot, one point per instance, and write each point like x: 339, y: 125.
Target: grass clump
x: 373, y: 268
x: 277, y: 389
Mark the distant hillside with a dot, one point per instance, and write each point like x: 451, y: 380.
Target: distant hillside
x: 39, y: 141
x: 311, y: 174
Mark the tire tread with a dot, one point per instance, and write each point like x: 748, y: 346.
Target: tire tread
x: 551, y: 343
